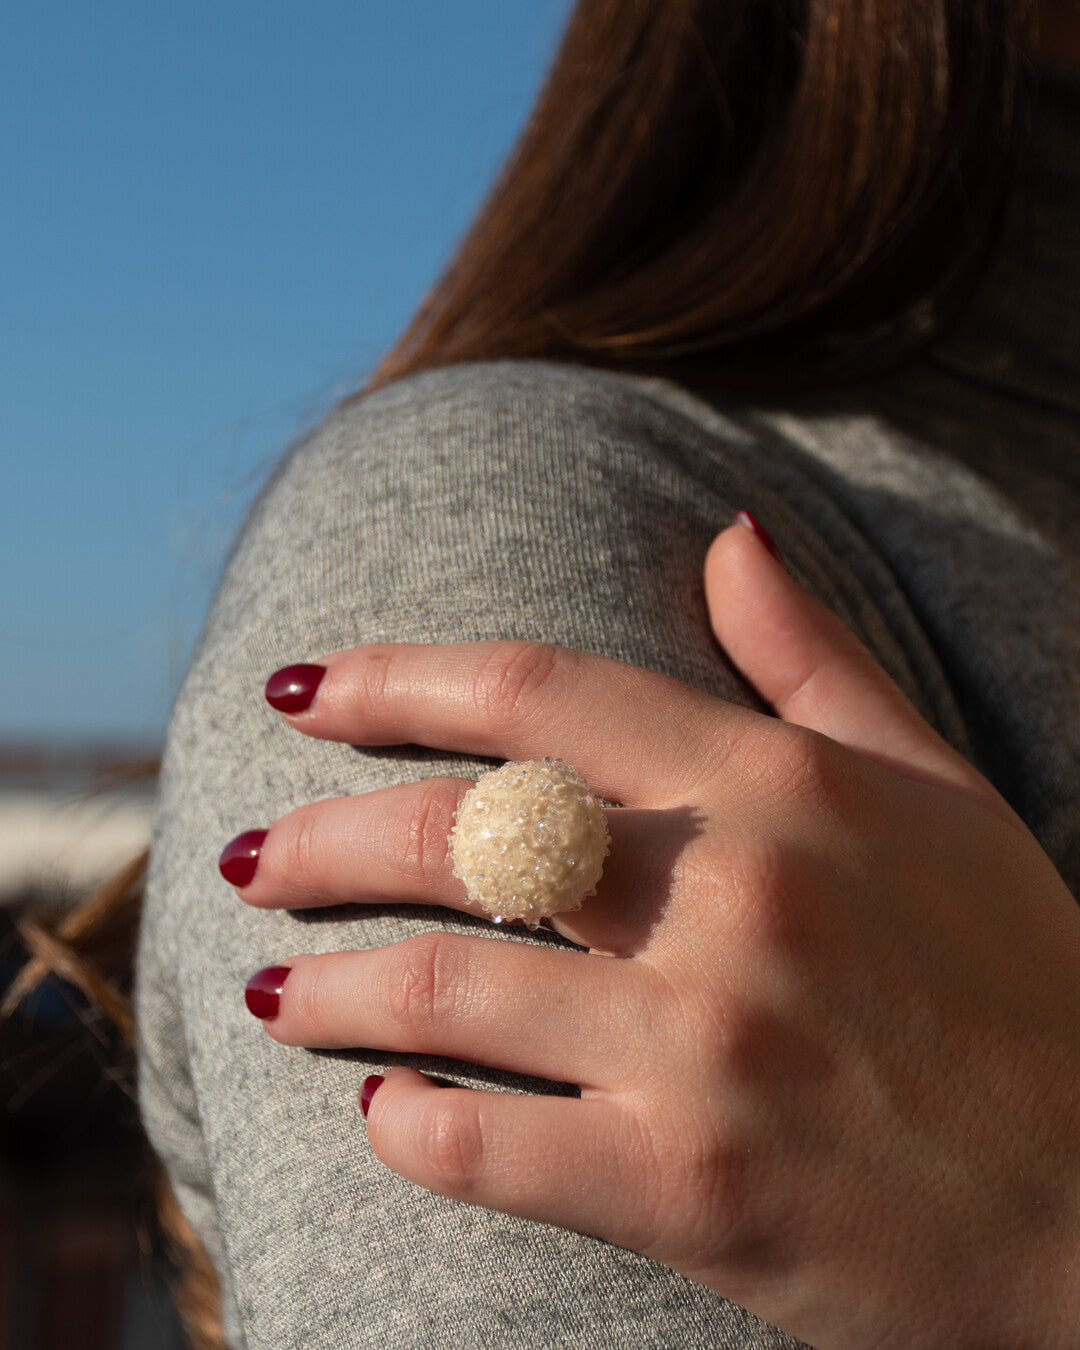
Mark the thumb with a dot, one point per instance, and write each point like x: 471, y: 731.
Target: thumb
x: 811, y: 667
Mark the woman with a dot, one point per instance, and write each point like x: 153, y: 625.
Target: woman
x: 825, y: 1042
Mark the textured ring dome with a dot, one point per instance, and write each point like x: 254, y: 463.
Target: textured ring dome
x: 530, y: 840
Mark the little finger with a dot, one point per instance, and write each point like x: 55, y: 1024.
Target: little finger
x: 483, y: 1148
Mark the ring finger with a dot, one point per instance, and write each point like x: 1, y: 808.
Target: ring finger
x: 393, y: 844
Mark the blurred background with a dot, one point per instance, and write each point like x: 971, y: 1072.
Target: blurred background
x: 217, y: 217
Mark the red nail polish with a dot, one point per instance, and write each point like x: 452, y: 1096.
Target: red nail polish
x: 263, y: 992
x: 240, y: 857
x: 372, y: 1082
x: 291, y: 689
x: 745, y: 518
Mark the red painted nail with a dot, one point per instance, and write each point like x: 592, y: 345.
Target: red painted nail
x: 263, y: 992
x: 291, y: 689
x: 745, y: 518
x: 372, y: 1082
x: 240, y: 857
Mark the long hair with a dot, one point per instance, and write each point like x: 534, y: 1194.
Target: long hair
x: 732, y: 193
x: 739, y: 193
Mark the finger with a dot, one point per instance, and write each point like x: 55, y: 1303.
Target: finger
x: 542, y: 1011
x: 625, y: 728
x: 575, y: 1163
x: 393, y: 845
x: 812, y: 668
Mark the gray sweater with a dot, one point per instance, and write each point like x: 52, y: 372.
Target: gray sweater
x: 933, y: 510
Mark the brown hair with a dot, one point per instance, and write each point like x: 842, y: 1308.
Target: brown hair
x: 727, y: 192
x: 739, y: 193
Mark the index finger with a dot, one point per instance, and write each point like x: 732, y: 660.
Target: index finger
x: 639, y: 737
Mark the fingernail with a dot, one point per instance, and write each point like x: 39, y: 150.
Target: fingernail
x: 240, y: 857
x: 745, y: 518
x: 291, y: 689
x: 371, y: 1083
x: 263, y: 992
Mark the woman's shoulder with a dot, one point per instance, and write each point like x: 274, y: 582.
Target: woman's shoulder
x: 453, y: 451
x: 461, y: 424
x: 504, y: 381
x: 513, y: 399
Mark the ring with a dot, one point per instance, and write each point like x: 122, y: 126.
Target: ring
x: 529, y: 840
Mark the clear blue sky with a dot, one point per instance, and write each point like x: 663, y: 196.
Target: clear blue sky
x: 217, y: 214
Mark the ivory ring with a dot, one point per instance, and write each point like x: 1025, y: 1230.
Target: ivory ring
x: 529, y: 840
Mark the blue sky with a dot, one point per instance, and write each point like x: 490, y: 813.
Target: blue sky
x: 216, y: 217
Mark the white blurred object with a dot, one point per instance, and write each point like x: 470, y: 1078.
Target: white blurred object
x: 53, y: 843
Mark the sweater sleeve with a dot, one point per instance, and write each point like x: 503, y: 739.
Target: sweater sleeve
x: 501, y: 500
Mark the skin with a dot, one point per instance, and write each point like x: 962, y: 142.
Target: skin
x: 826, y: 1025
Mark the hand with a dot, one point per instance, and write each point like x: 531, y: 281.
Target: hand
x: 827, y: 1037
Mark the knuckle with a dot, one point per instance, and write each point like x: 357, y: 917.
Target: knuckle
x: 716, y: 1181
x: 652, y: 1180
x: 699, y: 1018
x: 694, y: 1167
x: 768, y: 899
x: 308, y: 1001
x: 696, y: 1161
x: 302, y: 843
x: 718, y: 751
x: 511, y: 680
x: 699, y: 1159
x: 451, y: 1144
x: 803, y: 770
x: 424, y: 985
x: 424, y: 850
x: 376, y: 663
